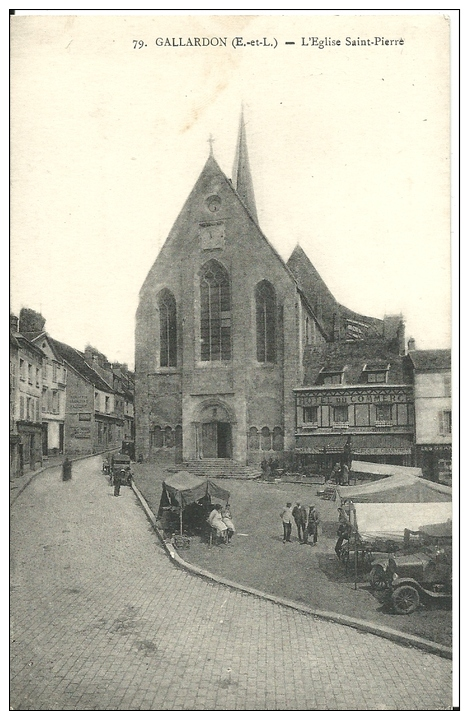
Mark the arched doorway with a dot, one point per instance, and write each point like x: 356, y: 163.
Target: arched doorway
x: 215, y: 439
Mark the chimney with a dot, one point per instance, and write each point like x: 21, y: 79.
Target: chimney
x: 13, y: 323
x: 411, y: 344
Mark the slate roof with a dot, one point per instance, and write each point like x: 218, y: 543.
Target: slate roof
x: 431, y: 360
x: 78, y: 362
x: 352, y: 357
x: 322, y: 301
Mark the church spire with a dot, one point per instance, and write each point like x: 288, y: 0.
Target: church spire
x: 242, y: 180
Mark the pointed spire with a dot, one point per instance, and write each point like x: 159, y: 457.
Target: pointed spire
x: 242, y: 179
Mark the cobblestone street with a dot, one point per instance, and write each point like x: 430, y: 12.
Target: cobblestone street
x: 102, y: 619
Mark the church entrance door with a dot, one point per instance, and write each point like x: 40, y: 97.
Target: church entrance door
x: 216, y: 440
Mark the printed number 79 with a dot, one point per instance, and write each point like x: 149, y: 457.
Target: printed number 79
x: 138, y: 44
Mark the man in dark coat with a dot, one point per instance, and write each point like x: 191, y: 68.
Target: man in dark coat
x: 119, y: 478
x: 301, y: 518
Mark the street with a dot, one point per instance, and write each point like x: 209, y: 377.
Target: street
x: 102, y: 619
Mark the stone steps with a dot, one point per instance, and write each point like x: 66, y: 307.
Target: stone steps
x: 220, y: 469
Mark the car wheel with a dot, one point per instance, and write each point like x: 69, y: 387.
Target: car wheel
x: 378, y: 579
x: 405, y: 599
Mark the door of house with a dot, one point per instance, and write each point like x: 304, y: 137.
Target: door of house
x: 45, y: 439
x: 61, y: 439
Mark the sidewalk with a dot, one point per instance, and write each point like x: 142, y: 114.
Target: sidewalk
x: 19, y: 483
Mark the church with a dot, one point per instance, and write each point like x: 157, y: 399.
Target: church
x: 224, y: 328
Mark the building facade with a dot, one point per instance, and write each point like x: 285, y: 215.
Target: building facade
x: 433, y: 414
x: 357, y: 393
x: 25, y: 402
x: 222, y: 328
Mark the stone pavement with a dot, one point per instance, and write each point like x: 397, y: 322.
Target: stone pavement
x: 102, y: 619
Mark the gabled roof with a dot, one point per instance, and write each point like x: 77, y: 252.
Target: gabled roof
x: 78, y: 362
x: 34, y: 337
x: 24, y: 342
x: 431, y: 360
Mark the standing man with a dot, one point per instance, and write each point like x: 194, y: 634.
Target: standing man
x: 119, y: 477
x: 312, y: 526
x: 287, y: 520
x: 345, y: 474
x: 301, y: 518
x: 66, y: 469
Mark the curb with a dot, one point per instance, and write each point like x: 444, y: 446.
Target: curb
x: 378, y: 630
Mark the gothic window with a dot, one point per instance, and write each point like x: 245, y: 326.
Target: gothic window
x: 215, y: 313
x: 168, y: 334
x: 265, y: 322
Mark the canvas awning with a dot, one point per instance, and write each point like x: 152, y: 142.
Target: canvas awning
x: 377, y: 469
x: 184, y: 488
x: 390, y: 520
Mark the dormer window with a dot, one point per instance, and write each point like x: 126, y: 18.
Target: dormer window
x: 331, y: 376
x: 376, y: 373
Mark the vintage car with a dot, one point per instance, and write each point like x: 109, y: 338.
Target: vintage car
x: 408, y: 580
x: 120, y: 462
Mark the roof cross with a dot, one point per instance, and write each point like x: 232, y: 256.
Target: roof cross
x: 211, y: 140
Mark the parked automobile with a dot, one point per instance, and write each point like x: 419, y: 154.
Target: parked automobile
x: 409, y: 580
x: 119, y: 462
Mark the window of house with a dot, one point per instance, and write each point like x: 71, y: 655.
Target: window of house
x: 330, y: 377
x: 377, y: 377
x: 21, y: 407
x: 55, y: 401
x: 30, y: 374
x: 37, y: 377
x: 215, y: 313
x: 54, y: 371
x: 44, y: 399
x: 340, y: 413
x: 107, y: 403
x: 37, y: 410
x: 376, y: 373
x: 310, y: 415
x: 96, y: 401
x: 265, y: 322
x: 22, y: 369
x: 383, y: 413
x: 168, y: 332
x: 445, y: 422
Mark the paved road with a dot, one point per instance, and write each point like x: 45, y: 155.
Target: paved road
x: 102, y: 619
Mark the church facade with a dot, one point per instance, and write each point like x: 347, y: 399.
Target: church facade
x: 222, y: 327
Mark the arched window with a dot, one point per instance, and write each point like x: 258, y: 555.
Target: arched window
x: 265, y: 322
x: 266, y: 439
x: 215, y: 312
x: 168, y: 334
x: 157, y: 437
x: 278, y: 439
x: 168, y: 437
x: 253, y: 439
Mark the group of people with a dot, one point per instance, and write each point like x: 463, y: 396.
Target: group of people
x: 306, y: 521
x: 341, y: 474
x: 221, y: 520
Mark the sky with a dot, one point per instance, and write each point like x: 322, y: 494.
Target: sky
x: 349, y: 148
